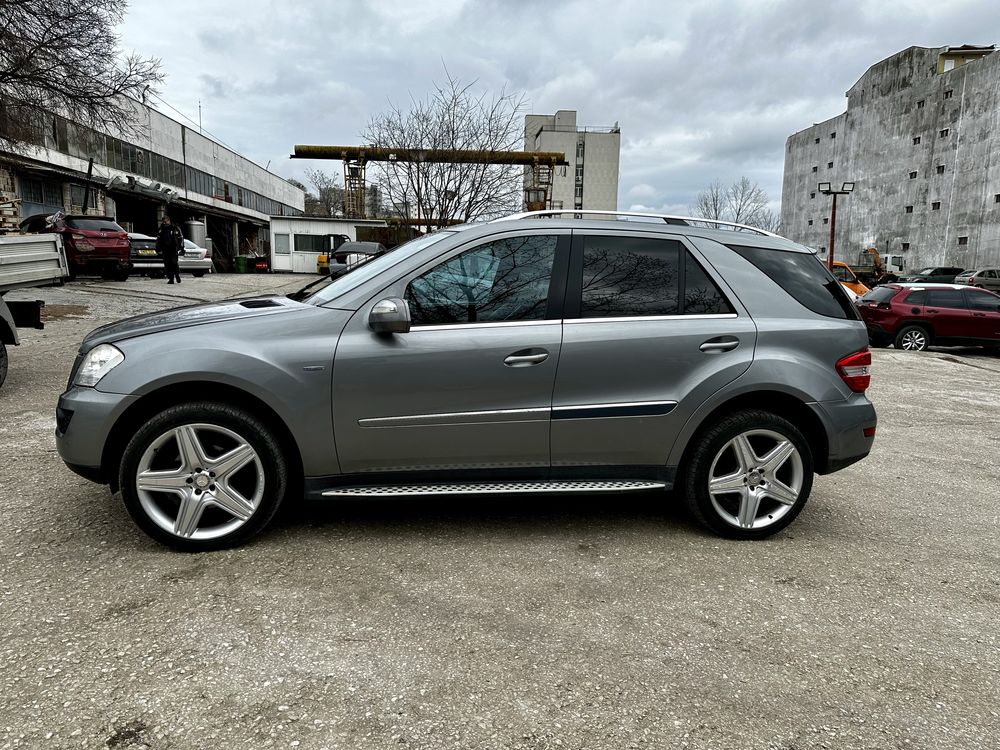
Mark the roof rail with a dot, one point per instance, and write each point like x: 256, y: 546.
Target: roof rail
x: 668, y: 218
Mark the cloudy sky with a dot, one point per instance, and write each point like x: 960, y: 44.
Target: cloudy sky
x: 702, y: 89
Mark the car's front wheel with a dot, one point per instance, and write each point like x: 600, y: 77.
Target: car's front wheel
x: 203, y: 476
x: 748, y: 475
x: 3, y: 362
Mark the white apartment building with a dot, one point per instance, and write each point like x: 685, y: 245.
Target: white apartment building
x: 591, y: 179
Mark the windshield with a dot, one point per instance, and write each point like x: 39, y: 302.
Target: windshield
x: 94, y: 225
x: 360, y: 274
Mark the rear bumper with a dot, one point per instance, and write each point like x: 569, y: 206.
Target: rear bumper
x: 845, y: 423
x: 202, y: 264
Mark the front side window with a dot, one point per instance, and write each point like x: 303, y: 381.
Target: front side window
x: 503, y: 280
x: 983, y: 301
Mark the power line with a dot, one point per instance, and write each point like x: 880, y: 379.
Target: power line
x: 200, y: 129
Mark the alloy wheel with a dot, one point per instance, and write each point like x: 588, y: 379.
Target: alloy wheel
x: 755, y: 479
x: 200, y: 481
x: 914, y: 341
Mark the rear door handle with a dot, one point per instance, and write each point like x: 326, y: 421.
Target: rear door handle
x: 526, y: 358
x: 719, y: 345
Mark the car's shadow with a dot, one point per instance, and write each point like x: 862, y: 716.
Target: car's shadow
x: 536, y: 513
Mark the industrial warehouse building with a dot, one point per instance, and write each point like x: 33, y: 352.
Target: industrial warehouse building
x: 167, y: 167
x: 920, y: 140
x: 591, y: 179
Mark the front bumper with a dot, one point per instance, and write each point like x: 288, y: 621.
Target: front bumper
x: 846, y: 423
x: 84, y: 418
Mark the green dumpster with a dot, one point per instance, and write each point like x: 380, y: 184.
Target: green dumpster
x: 240, y: 264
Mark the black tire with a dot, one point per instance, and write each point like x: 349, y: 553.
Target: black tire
x: 913, y: 339
x: 120, y: 276
x: 711, y: 443
x: 3, y: 362
x: 248, y: 428
x: 197, y: 274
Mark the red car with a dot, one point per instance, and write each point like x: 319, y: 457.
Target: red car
x: 94, y: 244
x: 914, y: 316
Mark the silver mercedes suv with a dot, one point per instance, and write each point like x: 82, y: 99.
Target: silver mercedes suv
x: 611, y: 353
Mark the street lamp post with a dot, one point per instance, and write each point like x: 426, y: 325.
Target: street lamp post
x: 827, y: 189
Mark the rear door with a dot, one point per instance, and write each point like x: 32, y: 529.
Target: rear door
x: 991, y: 280
x: 985, y: 310
x: 947, y: 312
x: 650, y: 332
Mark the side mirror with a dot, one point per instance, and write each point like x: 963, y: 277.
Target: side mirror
x: 390, y: 316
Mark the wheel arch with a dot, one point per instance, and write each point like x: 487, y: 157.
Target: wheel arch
x: 776, y: 402
x: 162, y: 398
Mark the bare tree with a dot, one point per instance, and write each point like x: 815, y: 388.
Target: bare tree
x: 63, y: 57
x: 769, y: 221
x: 711, y: 202
x: 453, y: 116
x: 743, y: 202
x: 329, y: 192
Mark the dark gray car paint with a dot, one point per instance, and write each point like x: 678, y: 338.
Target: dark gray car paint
x: 323, y: 384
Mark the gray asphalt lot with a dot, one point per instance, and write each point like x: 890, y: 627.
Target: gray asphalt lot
x: 540, y: 623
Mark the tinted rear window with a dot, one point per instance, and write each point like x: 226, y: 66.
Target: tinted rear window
x: 94, y: 225
x: 804, y: 277
x: 880, y: 294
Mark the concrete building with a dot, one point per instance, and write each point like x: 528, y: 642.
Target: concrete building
x: 591, y: 180
x: 166, y: 168
x: 921, y: 141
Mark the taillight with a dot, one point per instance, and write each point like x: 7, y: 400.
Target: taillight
x: 856, y: 370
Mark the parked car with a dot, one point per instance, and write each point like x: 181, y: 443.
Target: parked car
x: 986, y: 278
x: 146, y: 259
x: 934, y: 275
x: 915, y: 316
x: 524, y: 355
x: 94, y: 244
x: 195, y: 260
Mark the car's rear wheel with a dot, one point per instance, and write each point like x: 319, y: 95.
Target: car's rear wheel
x: 913, y: 339
x: 749, y: 475
x: 203, y: 476
x: 198, y: 274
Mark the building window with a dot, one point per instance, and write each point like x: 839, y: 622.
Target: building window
x: 815, y: 168
x: 826, y: 221
x: 817, y: 140
x: 948, y: 94
x: 810, y: 222
x: 920, y: 104
x: 909, y: 209
x: 944, y: 133
x: 833, y: 134
x: 812, y: 196
x: 996, y: 198
x: 281, y: 246
x: 579, y: 173
x: 940, y: 168
x: 913, y: 175
x: 963, y: 240
x: 936, y: 206
x: 579, y: 191
x: 579, y: 149
x: 829, y: 165
x: 76, y: 196
x: 916, y: 141
x: 906, y: 245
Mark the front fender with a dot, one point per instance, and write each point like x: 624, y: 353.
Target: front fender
x: 285, y: 362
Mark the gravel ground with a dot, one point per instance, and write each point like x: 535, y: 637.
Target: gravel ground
x: 537, y: 623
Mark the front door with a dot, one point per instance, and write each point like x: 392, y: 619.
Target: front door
x: 470, y: 385
x: 985, y: 310
x: 648, y: 336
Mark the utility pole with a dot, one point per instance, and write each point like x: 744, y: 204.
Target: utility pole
x: 827, y: 189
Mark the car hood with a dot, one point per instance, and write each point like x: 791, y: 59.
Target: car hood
x: 192, y: 315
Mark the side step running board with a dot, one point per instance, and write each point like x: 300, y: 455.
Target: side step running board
x: 497, y: 488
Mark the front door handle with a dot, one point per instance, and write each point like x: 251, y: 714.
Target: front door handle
x: 526, y: 358
x: 719, y: 345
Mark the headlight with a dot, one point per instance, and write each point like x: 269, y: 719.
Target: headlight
x: 97, y: 363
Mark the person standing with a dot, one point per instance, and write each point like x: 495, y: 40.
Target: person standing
x: 169, y: 242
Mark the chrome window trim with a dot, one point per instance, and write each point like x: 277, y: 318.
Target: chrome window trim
x: 719, y: 316
x: 486, y: 324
